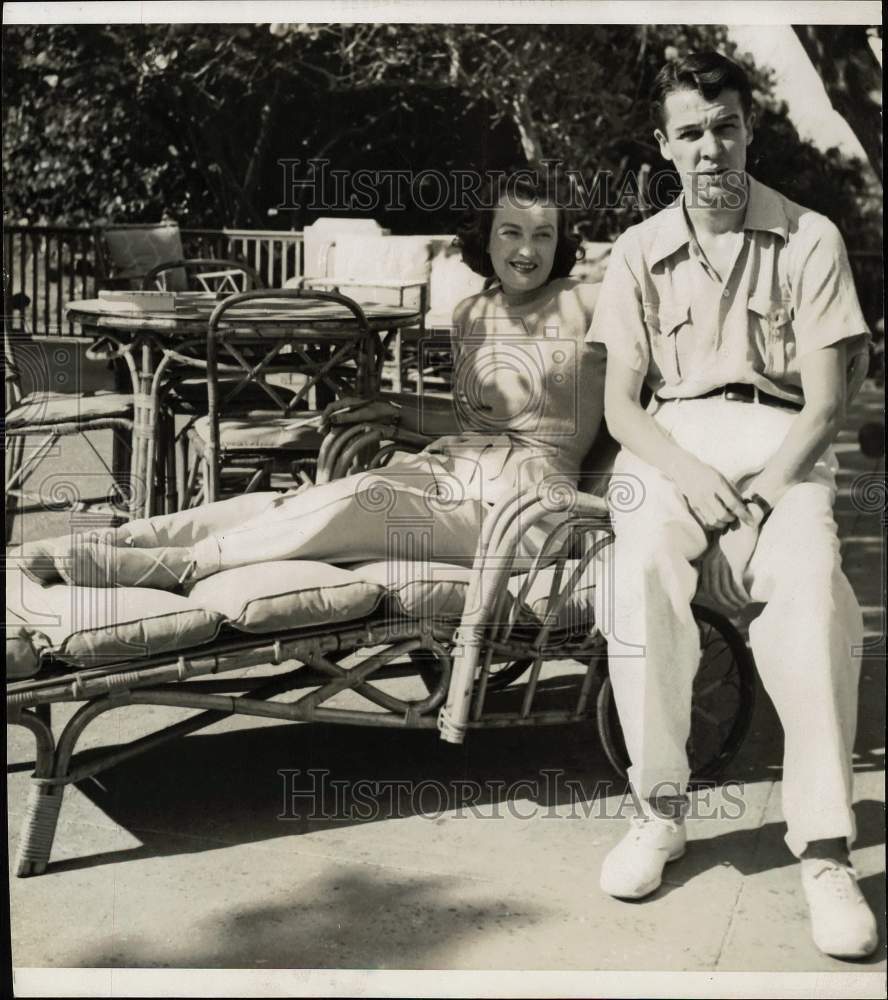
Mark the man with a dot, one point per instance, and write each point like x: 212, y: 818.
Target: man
x: 738, y: 309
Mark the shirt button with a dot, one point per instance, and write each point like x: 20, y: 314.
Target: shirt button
x: 726, y: 294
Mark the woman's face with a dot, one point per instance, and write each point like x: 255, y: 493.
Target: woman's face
x: 522, y: 244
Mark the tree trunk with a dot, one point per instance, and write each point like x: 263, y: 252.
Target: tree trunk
x: 527, y: 131
x: 851, y: 75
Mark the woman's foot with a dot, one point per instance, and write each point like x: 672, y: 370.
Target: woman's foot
x: 37, y: 561
x: 91, y: 563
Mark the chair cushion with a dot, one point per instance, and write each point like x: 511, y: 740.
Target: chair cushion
x: 86, y: 626
x: 264, y: 431
x: 39, y: 409
x: 403, y: 258
x: 191, y: 393
x: 285, y: 594
x: 319, y: 238
x: 450, y: 281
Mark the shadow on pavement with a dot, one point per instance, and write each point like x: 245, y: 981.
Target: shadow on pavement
x: 228, y: 787
x: 352, y: 920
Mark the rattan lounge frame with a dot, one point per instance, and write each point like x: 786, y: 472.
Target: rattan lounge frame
x: 483, y: 672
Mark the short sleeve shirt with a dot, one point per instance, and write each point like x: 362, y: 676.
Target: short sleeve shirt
x: 663, y: 312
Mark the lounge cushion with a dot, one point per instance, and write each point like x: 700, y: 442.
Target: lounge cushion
x: 291, y: 593
x: 420, y: 590
x: 578, y: 610
x: 23, y: 649
x: 438, y: 590
x: 40, y: 408
x: 89, y: 626
x: 86, y: 626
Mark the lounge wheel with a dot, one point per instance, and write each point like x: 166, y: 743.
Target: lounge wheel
x: 721, y: 710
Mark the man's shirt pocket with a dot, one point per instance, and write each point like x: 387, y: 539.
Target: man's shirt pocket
x: 667, y: 324
x: 770, y: 328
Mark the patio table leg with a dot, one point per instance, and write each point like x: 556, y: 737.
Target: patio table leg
x: 397, y: 353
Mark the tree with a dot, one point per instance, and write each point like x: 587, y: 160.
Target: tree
x: 852, y: 76
x: 131, y: 121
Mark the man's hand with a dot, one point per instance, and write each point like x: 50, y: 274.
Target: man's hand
x: 714, y: 501
x: 724, y: 564
x: 355, y: 410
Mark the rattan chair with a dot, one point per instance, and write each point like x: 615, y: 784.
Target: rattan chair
x: 49, y: 415
x: 260, y: 421
x: 203, y: 274
x: 126, y: 252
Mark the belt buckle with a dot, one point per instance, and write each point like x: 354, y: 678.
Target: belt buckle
x: 736, y: 397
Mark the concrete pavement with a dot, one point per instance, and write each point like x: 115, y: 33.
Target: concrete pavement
x: 213, y: 854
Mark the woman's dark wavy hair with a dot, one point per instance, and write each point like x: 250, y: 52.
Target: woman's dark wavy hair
x: 709, y: 73
x: 473, y: 232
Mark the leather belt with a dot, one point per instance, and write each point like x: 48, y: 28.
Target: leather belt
x: 743, y: 392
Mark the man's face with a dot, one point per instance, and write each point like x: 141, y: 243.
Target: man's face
x: 523, y: 239
x: 706, y: 140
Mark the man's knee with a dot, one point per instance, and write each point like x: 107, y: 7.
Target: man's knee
x: 652, y: 549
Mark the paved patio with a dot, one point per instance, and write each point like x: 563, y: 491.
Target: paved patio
x: 206, y: 856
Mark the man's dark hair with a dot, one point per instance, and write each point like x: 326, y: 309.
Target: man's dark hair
x: 473, y: 233
x: 709, y: 73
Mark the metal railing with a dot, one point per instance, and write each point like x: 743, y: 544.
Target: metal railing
x: 52, y: 265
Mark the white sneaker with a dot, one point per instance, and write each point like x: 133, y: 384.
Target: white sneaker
x: 634, y: 868
x: 842, y: 923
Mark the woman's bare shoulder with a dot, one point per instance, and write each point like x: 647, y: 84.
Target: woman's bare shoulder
x: 586, y: 291
x: 464, y: 307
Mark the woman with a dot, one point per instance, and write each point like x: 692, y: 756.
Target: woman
x: 527, y: 405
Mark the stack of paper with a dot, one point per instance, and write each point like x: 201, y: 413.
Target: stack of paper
x: 131, y: 301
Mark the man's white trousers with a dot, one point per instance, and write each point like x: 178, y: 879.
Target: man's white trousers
x: 806, y: 642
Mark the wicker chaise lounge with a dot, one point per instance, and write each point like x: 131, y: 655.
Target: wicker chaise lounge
x: 497, y: 643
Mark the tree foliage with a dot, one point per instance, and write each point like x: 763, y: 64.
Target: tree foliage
x: 131, y: 122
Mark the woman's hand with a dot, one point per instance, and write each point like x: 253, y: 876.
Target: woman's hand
x: 713, y: 500
x: 355, y: 410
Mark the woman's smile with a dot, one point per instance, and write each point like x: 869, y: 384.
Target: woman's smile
x: 522, y: 244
